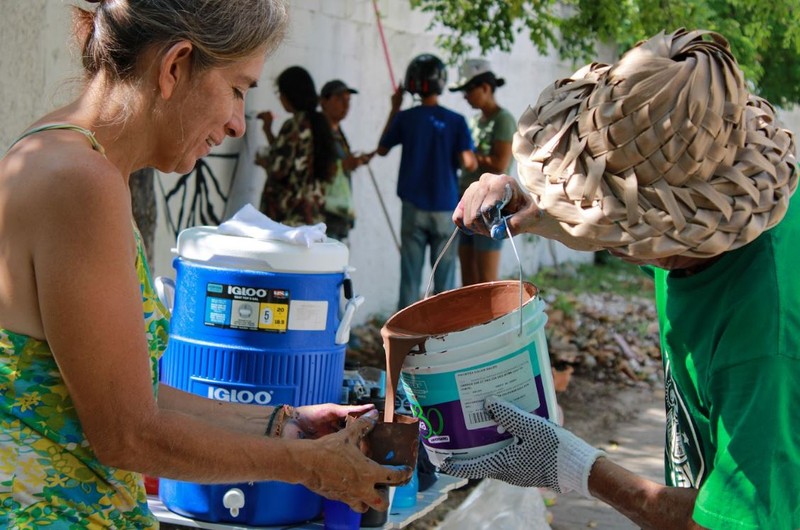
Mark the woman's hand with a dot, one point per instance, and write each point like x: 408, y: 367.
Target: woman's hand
x: 480, y: 206
x: 339, y: 470
x: 268, y: 118
x: 356, y: 160
x: 314, y: 421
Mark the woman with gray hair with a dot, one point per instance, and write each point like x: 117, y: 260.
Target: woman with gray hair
x: 81, y: 328
x: 667, y: 161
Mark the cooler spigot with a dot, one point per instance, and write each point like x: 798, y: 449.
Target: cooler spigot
x: 233, y: 500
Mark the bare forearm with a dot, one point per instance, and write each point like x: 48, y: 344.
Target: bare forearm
x: 167, y: 445
x: 646, y: 503
x: 250, y: 419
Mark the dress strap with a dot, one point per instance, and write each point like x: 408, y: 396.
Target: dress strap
x: 65, y: 126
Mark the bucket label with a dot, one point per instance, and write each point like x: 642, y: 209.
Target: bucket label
x: 245, y: 307
x: 512, y: 379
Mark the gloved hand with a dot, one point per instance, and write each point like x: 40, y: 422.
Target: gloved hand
x: 542, y: 454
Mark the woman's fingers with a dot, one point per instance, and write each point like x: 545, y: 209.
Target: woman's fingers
x: 350, y: 476
x: 363, y: 425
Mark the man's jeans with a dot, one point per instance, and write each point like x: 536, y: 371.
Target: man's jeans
x: 419, y: 229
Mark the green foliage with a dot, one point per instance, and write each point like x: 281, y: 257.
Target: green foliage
x: 764, y: 35
x: 611, y: 275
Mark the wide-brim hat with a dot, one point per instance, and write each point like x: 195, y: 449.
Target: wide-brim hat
x: 663, y: 153
x: 475, y: 71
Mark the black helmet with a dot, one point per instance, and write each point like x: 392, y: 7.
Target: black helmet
x: 426, y: 75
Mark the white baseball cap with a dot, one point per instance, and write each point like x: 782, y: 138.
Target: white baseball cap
x: 473, y: 70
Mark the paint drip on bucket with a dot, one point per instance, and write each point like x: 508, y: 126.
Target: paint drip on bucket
x: 453, y: 350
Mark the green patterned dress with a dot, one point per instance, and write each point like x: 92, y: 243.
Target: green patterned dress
x: 49, y: 474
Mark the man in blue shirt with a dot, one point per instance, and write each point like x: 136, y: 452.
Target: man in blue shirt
x: 436, y: 143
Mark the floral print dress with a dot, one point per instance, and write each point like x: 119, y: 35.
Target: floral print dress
x: 49, y: 474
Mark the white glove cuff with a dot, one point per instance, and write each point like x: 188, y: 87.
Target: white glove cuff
x: 574, y: 465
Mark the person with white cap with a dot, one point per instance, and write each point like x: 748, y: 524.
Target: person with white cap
x: 492, y: 131
x: 334, y: 99
x: 666, y: 160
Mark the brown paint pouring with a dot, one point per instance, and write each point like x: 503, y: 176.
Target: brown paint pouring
x: 407, y: 330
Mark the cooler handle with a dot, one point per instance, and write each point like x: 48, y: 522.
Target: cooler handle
x: 165, y: 289
x: 343, y: 332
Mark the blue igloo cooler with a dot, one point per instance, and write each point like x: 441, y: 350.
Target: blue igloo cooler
x: 254, y: 322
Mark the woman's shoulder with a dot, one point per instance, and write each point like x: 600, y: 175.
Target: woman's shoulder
x: 505, y: 114
x: 59, y: 169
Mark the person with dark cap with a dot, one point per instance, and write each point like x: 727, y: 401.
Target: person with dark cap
x: 492, y: 131
x: 666, y: 160
x: 436, y: 144
x: 339, y: 212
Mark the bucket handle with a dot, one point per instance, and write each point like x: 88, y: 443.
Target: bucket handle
x: 504, y: 223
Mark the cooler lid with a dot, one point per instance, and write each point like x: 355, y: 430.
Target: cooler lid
x: 205, y: 244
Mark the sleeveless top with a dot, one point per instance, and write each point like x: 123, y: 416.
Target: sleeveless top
x: 49, y: 474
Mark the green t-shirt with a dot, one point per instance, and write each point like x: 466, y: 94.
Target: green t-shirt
x: 730, y: 338
x: 485, y: 132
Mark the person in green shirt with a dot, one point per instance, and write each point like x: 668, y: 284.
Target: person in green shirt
x: 666, y: 160
x: 340, y: 216
x: 492, y: 131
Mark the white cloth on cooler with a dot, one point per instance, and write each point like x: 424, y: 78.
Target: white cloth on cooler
x: 249, y: 222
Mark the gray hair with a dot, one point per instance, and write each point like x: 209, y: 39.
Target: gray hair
x: 118, y: 32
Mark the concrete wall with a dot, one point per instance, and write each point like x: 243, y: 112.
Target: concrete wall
x: 332, y: 39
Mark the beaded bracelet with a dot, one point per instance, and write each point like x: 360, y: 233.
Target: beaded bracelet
x: 284, y: 411
x: 277, y: 409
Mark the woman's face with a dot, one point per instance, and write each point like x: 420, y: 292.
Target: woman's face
x: 477, y: 95
x: 211, y: 109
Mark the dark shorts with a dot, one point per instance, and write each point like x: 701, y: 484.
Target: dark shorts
x: 480, y: 243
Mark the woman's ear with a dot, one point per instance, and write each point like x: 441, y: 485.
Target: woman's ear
x: 175, y: 68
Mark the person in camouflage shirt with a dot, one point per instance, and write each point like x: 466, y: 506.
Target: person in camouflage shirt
x: 301, y: 160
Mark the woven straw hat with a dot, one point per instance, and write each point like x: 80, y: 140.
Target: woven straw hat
x: 663, y: 153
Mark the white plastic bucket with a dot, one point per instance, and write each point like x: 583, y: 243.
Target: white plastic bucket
x: 472, y: 345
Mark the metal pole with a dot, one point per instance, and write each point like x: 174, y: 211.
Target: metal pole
x: 383, y: 206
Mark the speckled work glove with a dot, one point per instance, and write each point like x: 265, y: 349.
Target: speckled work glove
x: 542, y: 454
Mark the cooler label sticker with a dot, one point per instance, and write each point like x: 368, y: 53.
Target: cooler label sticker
x: 272, y: 317
x: 243, y: 307
x: 511, y: 379
x: 308, y: 315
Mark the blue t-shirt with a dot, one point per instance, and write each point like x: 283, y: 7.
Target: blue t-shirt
x: 433, y: 139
